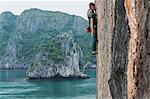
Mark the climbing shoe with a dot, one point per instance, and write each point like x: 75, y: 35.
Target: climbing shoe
x: 94, y: 52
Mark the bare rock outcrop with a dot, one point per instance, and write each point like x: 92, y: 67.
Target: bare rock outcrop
x: 123, y: 60
x: 104, y: 47
x: 113, y: 36
x: 138, y: 12
x: 66, y: 64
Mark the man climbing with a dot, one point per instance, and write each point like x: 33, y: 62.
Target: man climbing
x: 91, y: 13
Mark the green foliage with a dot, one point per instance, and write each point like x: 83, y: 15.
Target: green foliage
x: 43, y: 38
x: 53, y: 48
x: 7, y: 23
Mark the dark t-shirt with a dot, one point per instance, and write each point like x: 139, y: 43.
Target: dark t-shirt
x: 92, y: 14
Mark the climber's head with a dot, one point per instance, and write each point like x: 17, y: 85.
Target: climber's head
x: 92, y: 6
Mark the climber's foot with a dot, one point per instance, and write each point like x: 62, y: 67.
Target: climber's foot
x: 94, y: 52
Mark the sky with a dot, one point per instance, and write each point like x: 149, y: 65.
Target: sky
x: 74, y: 7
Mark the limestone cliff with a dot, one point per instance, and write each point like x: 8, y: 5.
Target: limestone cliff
x: 123, y: 36
x: 138, y: 12
x: 22, y: 35
x: 68, y: 65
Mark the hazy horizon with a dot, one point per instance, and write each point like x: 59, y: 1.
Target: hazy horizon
x: 42, y: 10
x: 78, y: 8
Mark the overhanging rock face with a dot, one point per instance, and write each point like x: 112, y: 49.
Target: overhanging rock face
x: 138, y: 12
x: 124, y: 41
x: 105, y: 14
x: 113, y: 36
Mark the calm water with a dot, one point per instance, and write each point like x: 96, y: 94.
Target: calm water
x: 13, y: 85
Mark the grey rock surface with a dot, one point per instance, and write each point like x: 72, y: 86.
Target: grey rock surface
x: 45, y: 67
x: 123, y: 52
x: 21, y: 36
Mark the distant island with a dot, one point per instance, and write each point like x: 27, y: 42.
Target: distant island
x: 46, y: 43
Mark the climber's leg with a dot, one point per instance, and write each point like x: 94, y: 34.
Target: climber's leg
x: 94, y: 43
x: 94, y: 46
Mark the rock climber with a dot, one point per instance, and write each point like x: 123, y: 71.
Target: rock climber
x: 91, y: 13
